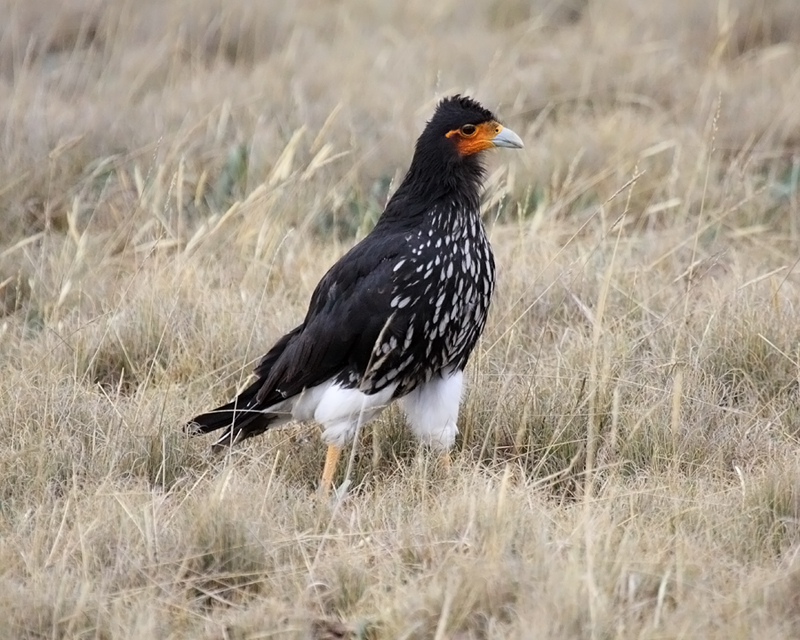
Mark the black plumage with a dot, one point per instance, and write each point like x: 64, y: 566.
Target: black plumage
x: 402, y: 309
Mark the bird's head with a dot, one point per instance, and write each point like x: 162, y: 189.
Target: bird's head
x: 447, y: 158
x: 461, y: 127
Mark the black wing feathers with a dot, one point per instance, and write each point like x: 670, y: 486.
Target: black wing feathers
x: 346, y: 314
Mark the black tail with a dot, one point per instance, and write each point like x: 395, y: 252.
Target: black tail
x: 241, y: 419
x: 244, y: 417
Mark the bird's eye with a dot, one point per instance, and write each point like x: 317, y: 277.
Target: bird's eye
x: 468, y: 130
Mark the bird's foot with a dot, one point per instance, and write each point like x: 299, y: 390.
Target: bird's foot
x: 339, y: 493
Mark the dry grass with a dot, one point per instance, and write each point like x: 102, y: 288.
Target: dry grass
x: 176, y: 176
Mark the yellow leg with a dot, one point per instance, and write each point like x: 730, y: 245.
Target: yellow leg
x: 331, y: 458
x: 444, y: 460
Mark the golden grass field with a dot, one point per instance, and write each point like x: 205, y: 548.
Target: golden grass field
x: 176, y: 176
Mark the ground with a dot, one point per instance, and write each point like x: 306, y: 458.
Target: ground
x: 175, y: 177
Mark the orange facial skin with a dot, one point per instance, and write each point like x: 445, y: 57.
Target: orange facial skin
x: 478, y: 138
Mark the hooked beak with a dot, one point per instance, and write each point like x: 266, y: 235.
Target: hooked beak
x: 507, y: 138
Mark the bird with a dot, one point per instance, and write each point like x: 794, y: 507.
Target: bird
x: 397, y: 316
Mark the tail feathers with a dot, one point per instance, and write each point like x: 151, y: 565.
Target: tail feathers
x: 241, y: 418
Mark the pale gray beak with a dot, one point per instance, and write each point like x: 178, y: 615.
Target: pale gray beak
x: 507, y: 138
